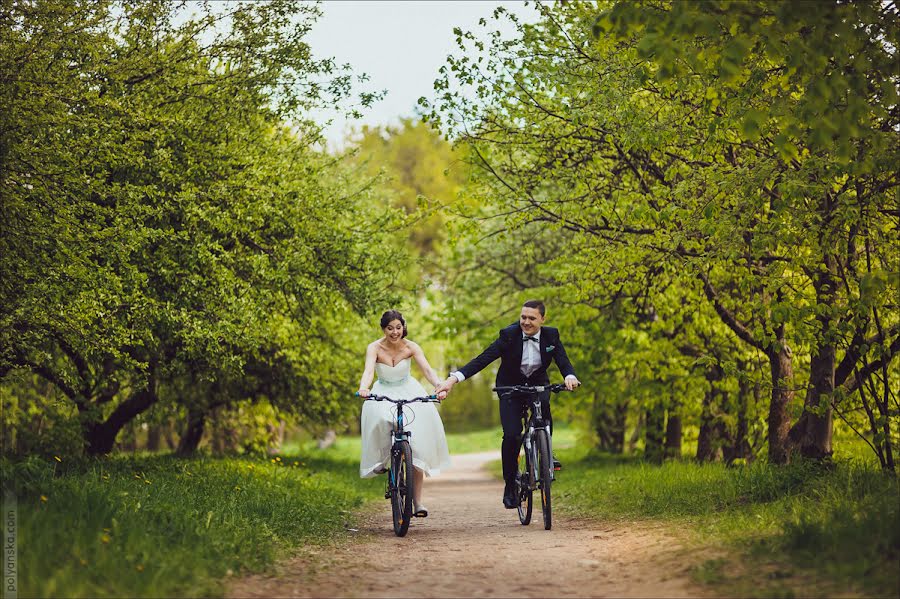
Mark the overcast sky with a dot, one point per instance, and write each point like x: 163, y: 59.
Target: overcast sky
x: 400, y: 45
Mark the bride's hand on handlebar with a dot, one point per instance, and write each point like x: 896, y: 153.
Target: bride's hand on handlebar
x: 441, y: 394
x: 363, y: 392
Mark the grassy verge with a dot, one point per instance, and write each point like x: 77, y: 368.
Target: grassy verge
x: 489, y: 440
x: 162, y: 526
x: 798, y: 530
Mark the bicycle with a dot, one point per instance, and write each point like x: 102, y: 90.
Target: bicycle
x: 535, y: 466
x: 400, y: 482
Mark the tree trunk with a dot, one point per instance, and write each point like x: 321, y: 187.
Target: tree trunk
x: 100, y: 437
x: 193, y: 433
x: 609, y: 425
x: 782, y: 369
x: 813, y: 431
x: 168, y: 435
x: 636, y: 434
x: 673, y: 432
x: 739, y: 446
x: 709, y: 441
x: 154, y: 436
x: 654, y: 438
x: 707, y: 444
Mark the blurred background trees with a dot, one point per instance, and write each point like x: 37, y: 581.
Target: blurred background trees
x: 705, y: 195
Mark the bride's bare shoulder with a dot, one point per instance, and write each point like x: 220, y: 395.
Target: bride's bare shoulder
x: 412, y: 345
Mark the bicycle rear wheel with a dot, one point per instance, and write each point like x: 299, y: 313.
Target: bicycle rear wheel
x: 402, y: 493
x: 545, y: 472
x: 523, y: 488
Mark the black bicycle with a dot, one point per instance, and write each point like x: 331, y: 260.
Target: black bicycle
x: 535, y: 467
x: 400, y: 481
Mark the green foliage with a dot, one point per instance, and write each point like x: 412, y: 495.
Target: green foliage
x: 663, y: 178
x: 170, y: 230
x: 160, y: 526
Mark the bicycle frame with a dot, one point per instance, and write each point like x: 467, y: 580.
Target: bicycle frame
x: 530, y: 428
x: 399, y: 485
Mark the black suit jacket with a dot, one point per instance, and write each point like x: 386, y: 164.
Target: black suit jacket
x: 508, y: 347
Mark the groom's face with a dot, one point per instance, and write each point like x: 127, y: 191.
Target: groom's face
x: 530, y: 320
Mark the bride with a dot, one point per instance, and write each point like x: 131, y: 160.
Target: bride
x: 390, y: 358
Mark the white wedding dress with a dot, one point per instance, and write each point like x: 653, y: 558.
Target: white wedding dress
x: 428, y: 442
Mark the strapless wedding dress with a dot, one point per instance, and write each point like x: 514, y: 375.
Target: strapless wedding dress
x: 428, y: 442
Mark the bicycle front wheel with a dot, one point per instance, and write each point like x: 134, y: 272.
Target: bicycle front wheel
x: 402, y: 493
x: 523, y: 488
x: 545, y: 472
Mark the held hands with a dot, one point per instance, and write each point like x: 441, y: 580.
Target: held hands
x: 446, y: 386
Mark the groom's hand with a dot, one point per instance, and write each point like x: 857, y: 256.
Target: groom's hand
x: 446, y: 385
x: 571, y: 382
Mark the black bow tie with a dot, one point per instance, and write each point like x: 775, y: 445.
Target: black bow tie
x: 527, y: 338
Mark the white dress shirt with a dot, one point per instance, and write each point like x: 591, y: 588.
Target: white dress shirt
x: 531, y: 354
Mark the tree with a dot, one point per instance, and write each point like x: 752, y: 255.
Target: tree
x: 654, y: 170
x: 163, y: 222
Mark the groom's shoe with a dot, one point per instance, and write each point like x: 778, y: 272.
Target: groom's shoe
x: 509, y: 496
x: 557, y: 465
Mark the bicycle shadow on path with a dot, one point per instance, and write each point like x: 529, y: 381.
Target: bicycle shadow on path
x: 470, y: 546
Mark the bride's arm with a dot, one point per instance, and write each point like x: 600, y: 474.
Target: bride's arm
x: 424, y: 366
x: 368, y: 375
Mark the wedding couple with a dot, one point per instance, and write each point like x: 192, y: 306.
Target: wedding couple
x: 525, y: 349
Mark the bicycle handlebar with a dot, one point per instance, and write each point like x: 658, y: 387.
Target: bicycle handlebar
x: 427, y: 398
x: 554, y: 388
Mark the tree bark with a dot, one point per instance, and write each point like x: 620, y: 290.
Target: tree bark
x: 782, y: 373
x: 813, y: 431
x: 673, y: 432
x: 100, y: 437
x: 609, y: 425
x: 738, y: 447
x: 193, y: 433
x: 655, y: 434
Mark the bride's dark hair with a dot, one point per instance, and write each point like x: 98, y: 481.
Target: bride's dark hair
x: 390, y: 316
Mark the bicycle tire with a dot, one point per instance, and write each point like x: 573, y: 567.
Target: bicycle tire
x: 545, y: 472
x: 523, y: 488
x: 402, y: 493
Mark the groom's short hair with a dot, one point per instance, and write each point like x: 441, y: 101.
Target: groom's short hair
x: 535, y: 304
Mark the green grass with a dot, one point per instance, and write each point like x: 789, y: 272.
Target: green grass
x: 836, y: 528
x: 489, y: 440
x: 161, y: 526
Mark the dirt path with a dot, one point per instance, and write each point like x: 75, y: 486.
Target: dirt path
x: 470, y: 546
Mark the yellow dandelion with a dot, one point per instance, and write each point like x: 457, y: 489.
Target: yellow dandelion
x: 237, y: 487
x: 83, y: 561
x: 139, y: 567
x: 44, y: 498
x: 105, y: 539
x: 272, y: 460
x: 278, y: 458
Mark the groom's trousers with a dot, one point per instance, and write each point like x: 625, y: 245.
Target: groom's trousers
x: 513, y: 414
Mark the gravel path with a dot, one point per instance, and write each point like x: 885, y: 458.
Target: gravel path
x: 470, y: 546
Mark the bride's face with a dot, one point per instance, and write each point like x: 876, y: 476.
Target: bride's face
x: 393, y: 332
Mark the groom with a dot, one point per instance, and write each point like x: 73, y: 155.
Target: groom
x: 525, y: 350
